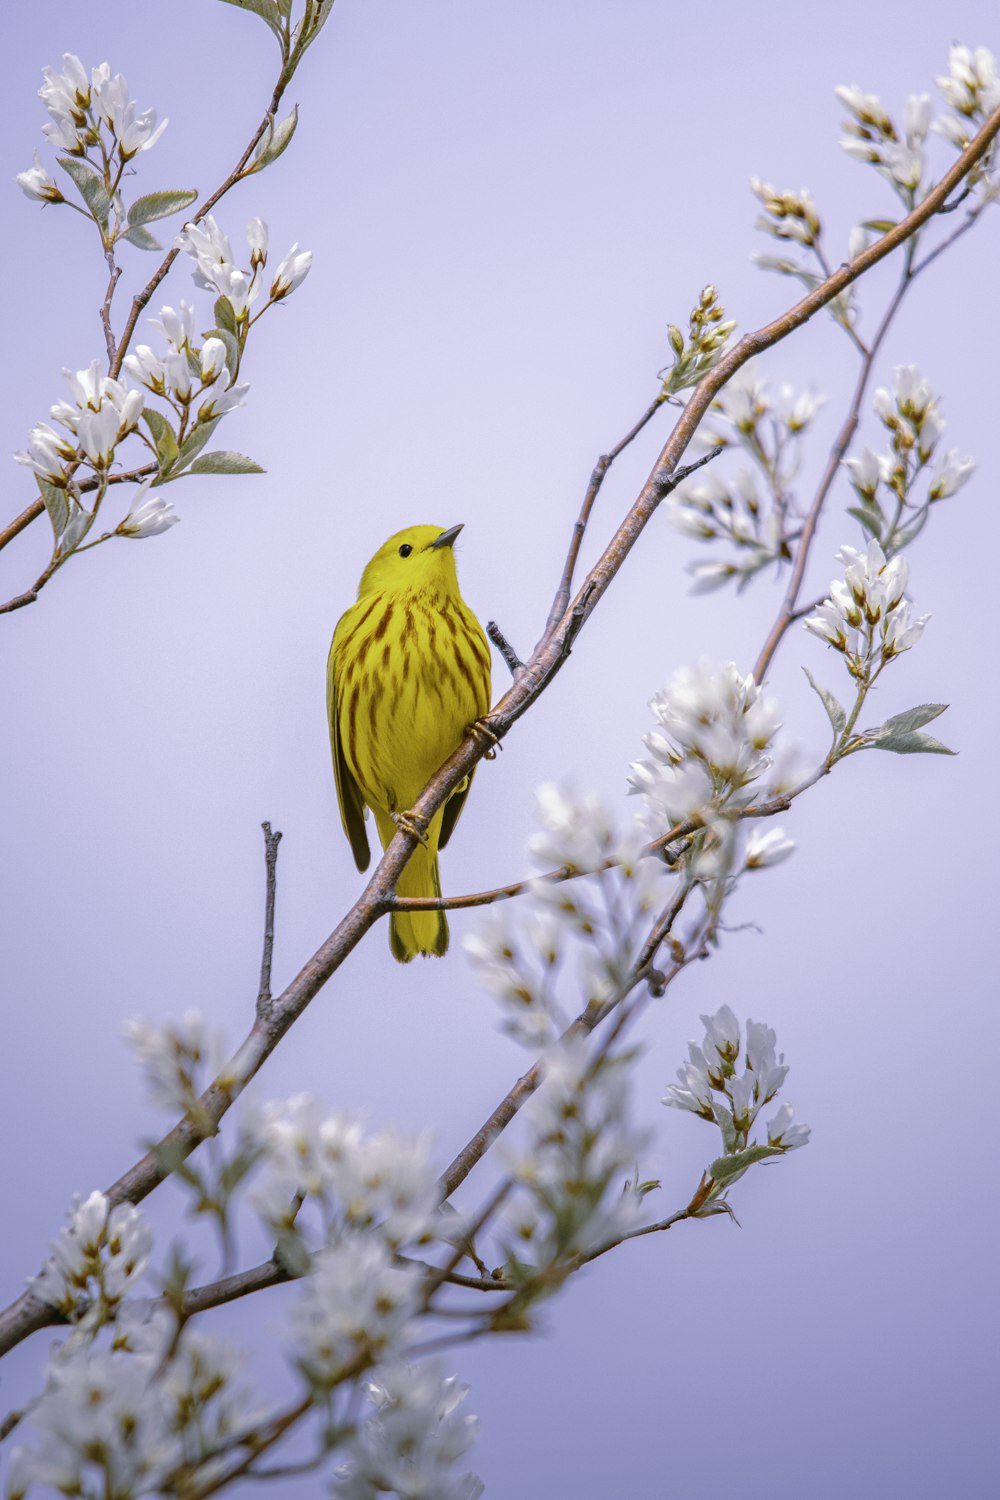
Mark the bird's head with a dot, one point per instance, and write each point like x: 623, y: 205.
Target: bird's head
x: 417, y: 559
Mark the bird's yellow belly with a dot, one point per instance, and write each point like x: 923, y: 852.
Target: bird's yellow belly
x: 405, y: 712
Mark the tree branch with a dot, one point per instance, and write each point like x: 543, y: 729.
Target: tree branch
x: 271, y: 842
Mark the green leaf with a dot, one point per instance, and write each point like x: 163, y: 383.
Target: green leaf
x: 225, y: 462
x: 913, y: 718
x: 224, y: 315
x: 90, y: 186
x: 195, y: 441
x: 879, y: 226
x: 834, y: 712
x: 163, y: 436
x: 79, y: 523
x: 913, y: 743
x: 870, y: 520
x: 274, y: 142
x: 232, y: 349
x: 56, y: 504
x: 726, y: 1169
x: 266, y: 9
x: 159, y: 205
x: 141, y: 238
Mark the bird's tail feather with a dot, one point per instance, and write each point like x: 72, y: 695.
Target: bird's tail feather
x: 416, y: 932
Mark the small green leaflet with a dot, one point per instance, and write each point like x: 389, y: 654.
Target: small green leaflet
x: 141, y: 238
x: 266, y: 9
x: 274, y: 141
x: 901, y: 734
x: 834, y: 712
x: 159, y: 205
x: 225, y: 462
x: 726, y: 1169
x: 163, y: 436
x: 55, y: 503
x: 91, y: 187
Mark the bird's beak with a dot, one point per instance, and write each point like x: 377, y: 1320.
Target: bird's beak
x: 447, y: 538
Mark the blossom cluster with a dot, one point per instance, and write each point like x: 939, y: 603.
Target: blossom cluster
x: 753, y: 510
x: 866, y: 616
x: 708, y: 334
x: 412, y: 1440
x: 870, y: 136
x: 88, y: 114
x: 712, y: 1086
x: 885, y: 483
x: 971, y: 90
x: 97, y: 1259
x: 380, y: 1182
x: 521, y: 951
x: 713, y: 743
x: 129, y: 1419
x: 216, y: 269
x: 574, y: 1168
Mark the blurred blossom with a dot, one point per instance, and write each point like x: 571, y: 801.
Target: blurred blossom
x: 96, y: 1259
x: 768, y: 848
x: 410, y: 1444
x: 787, y: 215
x: 178, y: 1058
x: 951, y: 474
x: 356, y: 1304
x: 383, y: 1181
x: 579, y: 1153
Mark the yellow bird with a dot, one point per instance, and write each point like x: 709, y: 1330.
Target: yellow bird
x: 408, y: 673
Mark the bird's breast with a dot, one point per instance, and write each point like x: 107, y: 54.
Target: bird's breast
x: 412, y: 672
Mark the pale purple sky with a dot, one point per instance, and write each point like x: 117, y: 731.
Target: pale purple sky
x: 507, y: 205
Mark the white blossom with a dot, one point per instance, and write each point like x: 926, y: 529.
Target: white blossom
x: 146, y: 368
x: 174, y: 1057
x: 291, y: 273
x: 768, y: 848
x: 951, y: 473
x: 781, y: 1131
x: 178, y: 328
x: 96, y: 1259
x: 37, y: 183
x: 47, y: 453
x: 864, y: 472
x: 257, y: 241
x: 224, y: 397
x: 149, y: 515
x: 411, y: 1443
x: 356, y: 1304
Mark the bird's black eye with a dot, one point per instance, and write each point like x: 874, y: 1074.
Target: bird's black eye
x: 405, y: 550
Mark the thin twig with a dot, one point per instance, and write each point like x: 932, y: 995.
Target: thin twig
x: 562, y: 594
x: 271, y: 842
x: 505, y: 648
x: 28, y: 1313
x: 109, y: 333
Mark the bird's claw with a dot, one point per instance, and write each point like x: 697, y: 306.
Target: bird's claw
x: 413, y: 824
x: 483, y: 734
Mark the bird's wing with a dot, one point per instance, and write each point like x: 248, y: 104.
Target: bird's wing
x: 352, y: 807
